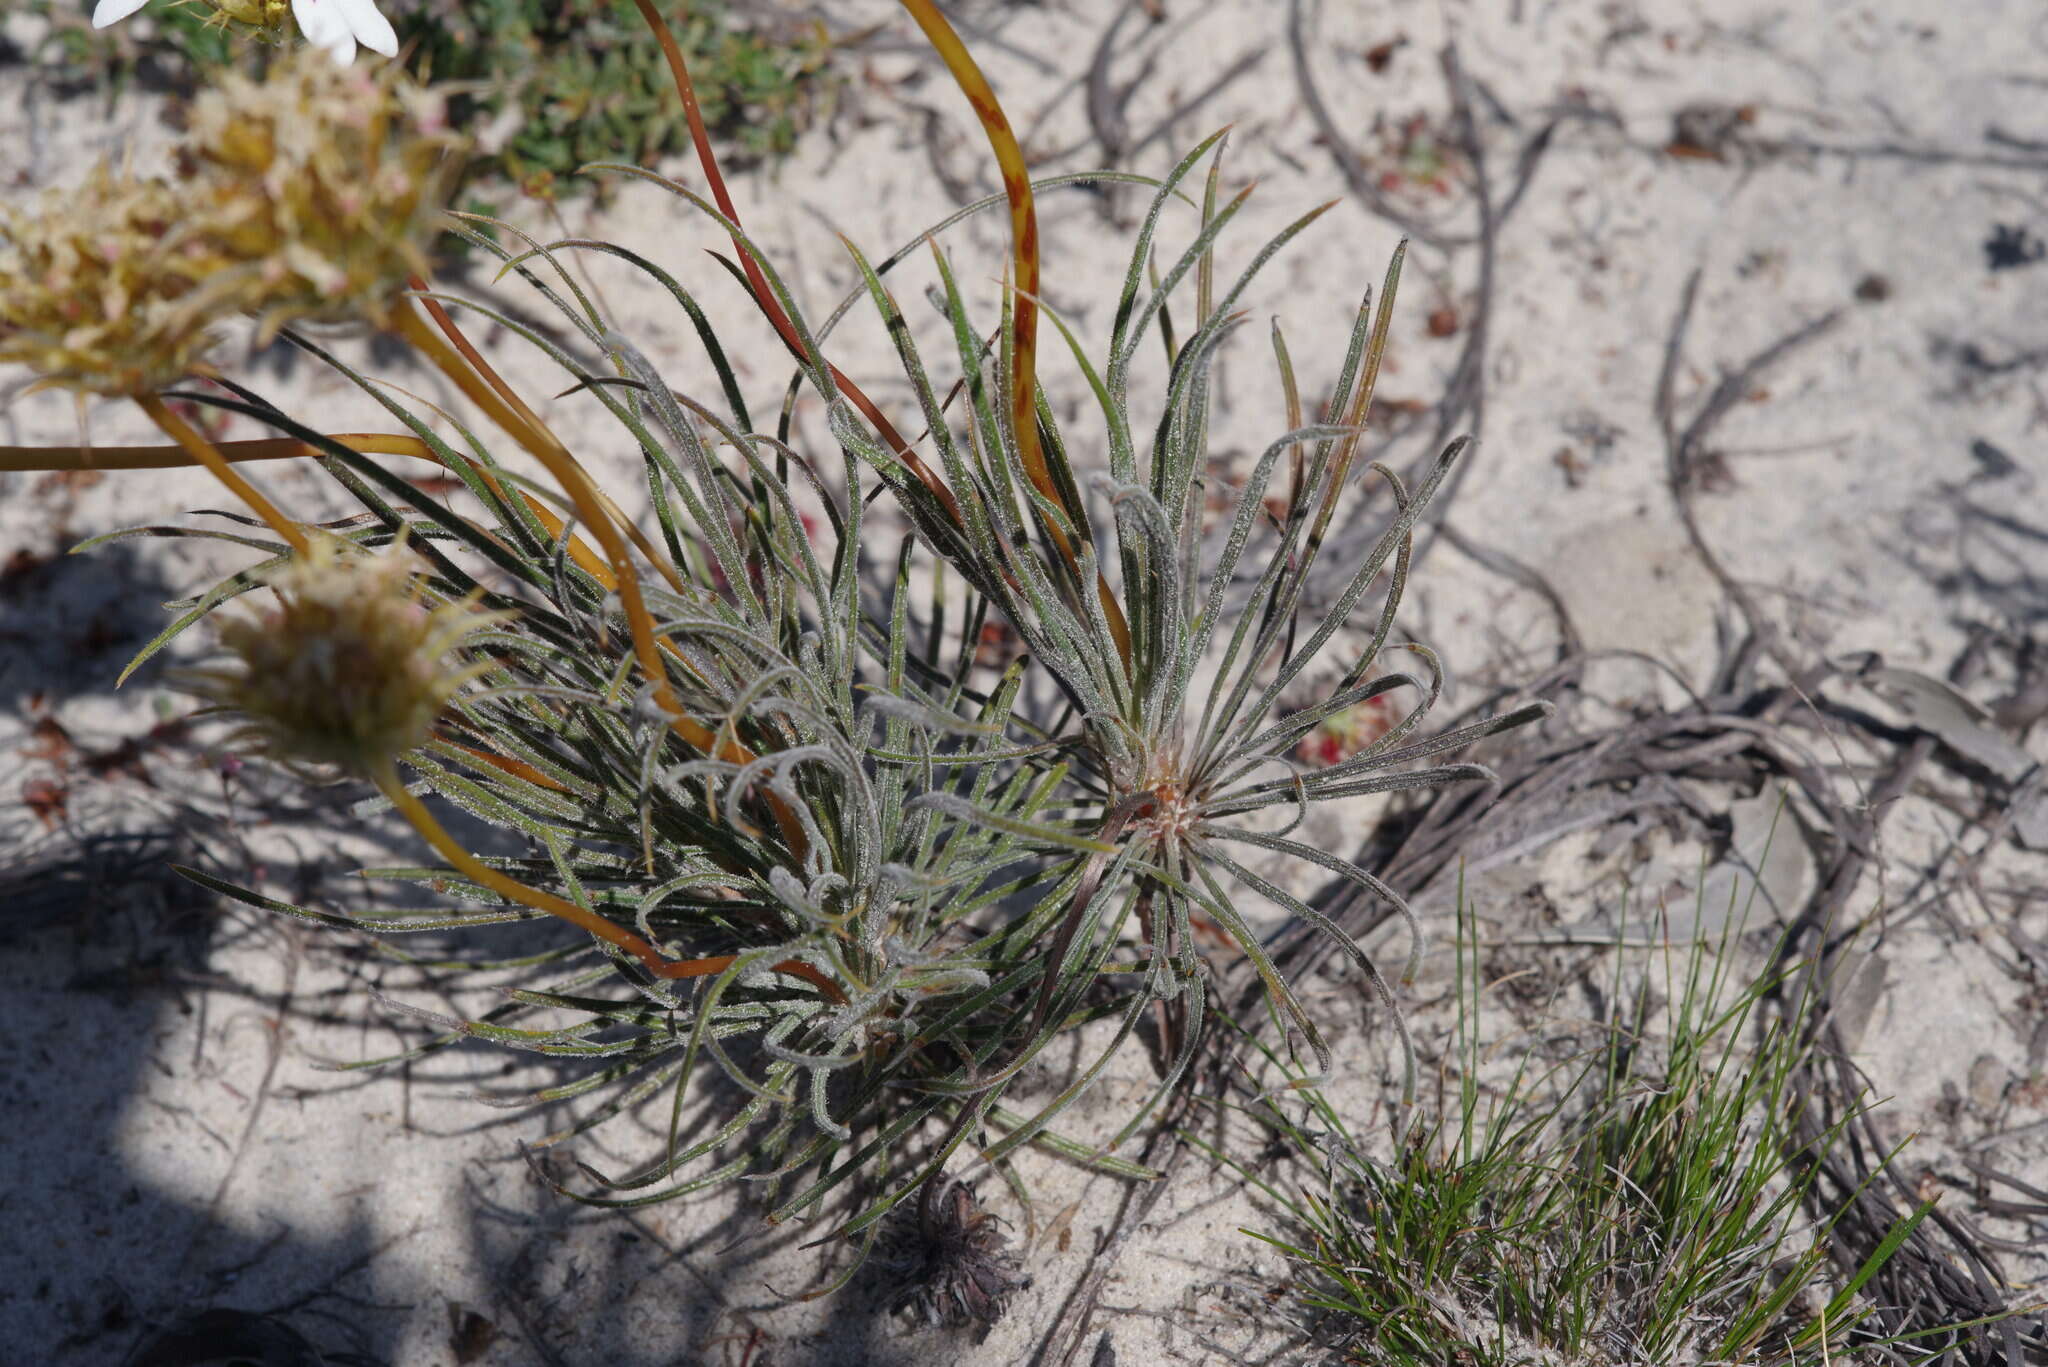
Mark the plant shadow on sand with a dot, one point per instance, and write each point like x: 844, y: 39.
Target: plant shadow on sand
x: 108, y: 955
x: 102, y: 949
x: 68, y: 623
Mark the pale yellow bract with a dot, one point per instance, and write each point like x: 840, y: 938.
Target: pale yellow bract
x: 313, y: 192
x: 114, y: 286
x: 342, y: 175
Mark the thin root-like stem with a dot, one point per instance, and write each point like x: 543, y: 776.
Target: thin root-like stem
x: 21, y: 458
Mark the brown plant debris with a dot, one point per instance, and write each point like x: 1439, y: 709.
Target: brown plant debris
x: 950, y: 1259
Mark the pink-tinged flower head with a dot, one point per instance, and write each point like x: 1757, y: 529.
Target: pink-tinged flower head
x: 339, y: 188
x: 350, y: 669
x: 115, y: 286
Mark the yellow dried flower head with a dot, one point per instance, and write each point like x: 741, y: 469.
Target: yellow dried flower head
x: 349, y: 669
x: 337, y: 178
x: 114, y: 286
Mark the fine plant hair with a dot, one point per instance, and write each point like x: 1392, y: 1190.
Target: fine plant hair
x: 1642, y: 1200
x: 845, y: 883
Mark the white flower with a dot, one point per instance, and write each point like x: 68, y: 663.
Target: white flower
x: 114, y: 11
x: 335, y: 26
x: 338, y: 25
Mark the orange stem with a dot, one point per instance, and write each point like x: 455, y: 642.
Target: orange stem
x: 171, y: 457
x: 469, y: 866
x: 1023, y: 235
x: 475, y: 357
x: 530, y: 428
x: 1024, y: 220
x: 585, y: 496
x: 202, y: 450
x: 16, y: 458
x: 505, y: 764
x: 1024, y: 325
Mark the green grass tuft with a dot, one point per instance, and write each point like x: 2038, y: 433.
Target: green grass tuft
x: 1641, y: 1201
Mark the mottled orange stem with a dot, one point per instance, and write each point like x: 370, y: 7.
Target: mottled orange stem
x: 758, y: 282
x: 513, y: 414
x: 1024, y: 316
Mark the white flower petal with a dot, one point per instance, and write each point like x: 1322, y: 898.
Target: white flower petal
x: 114, y: 11
x: 326, y: 27
x: 370, y: 27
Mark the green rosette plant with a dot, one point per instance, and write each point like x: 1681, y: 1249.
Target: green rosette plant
x: 839, y: 882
